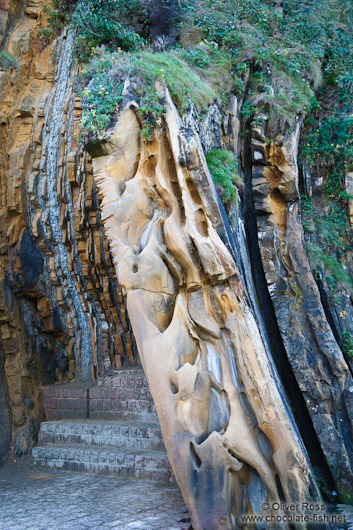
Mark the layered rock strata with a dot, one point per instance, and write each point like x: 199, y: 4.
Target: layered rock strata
x: 204, y: 331
x: 62, y: 313
x: 323, y: 374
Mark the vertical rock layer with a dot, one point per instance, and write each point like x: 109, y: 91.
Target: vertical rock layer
x: 323, y: 375
x: 62, y: 314
x: 205, y: 331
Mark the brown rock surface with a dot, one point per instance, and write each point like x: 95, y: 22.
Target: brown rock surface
x: 323, y: 375
x: 228, y: 428
x: 62, y: 313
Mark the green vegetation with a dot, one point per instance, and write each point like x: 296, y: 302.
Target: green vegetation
x: 105, y: 75
x: 196, y: 57
x: 326, y: 242
x: 336, y: 272
x: 262, y: 43
x: 328, y: 145
x: 106, y: 22
x: 287, y: 54
x: 7, y: 61
x: 101, y: 96
x: 330, y: 228
x: 224, y: 171
x: 348, y: 343
x: 326, y: 148
x: 59, y: 12
x: 280, y: 57
x: 298, y: 294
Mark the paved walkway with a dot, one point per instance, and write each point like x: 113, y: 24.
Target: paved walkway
x: 33, y: 499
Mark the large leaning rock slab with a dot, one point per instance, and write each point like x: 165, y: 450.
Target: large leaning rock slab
x: 229, y: 435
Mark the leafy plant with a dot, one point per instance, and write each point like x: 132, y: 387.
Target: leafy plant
x: 59, y: 12
x: 100, y: 97
x: 197, y: 57
x: 298, y: 293
x: 348, y: 343
x: 99, y: 22
x: 321, y: 260
x: 247, y: 111
x: 45, y: 34
x: 224, y: 171
x: 328, y: 144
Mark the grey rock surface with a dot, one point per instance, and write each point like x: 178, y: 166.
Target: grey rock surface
x: 5, y: 420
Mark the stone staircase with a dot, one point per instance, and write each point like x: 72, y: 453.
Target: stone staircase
x: 109, y: 428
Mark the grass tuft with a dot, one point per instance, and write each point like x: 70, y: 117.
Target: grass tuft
x: 7, y: 61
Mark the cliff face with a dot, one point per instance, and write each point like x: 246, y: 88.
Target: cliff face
x: 323, y: 374
x: 242, y: 345
x: 62, y: 313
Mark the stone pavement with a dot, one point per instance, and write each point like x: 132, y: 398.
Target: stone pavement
x: 31, y: 499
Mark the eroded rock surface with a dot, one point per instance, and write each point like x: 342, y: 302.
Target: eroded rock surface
x: 230, y: 436
x: 62, y: 313
x: 186, y: 278
x: 323, y: 374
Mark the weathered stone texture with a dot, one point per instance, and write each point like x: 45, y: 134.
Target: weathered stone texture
x: 5, y: 418
x: 62, y: 313
x: 317, y: 361
x: 124, y: 396
x: 222, y: 412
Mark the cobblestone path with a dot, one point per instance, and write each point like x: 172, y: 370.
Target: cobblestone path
x: 32, y: 499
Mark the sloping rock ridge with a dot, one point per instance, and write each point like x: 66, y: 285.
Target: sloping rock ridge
x: 217, y: 395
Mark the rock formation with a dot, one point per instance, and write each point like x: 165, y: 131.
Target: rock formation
x: 229, y: 434
x: 323, y: 375
x: 241, y: 343
x: 62, y: 314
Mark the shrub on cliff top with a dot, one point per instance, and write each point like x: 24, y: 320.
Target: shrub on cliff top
x: 99, y: 22
x: 125, y: 25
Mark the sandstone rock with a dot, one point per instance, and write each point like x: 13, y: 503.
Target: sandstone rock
x: 63, y: 313
x: 202, y: 352
x: 5, y: 418
x: 24, y: 439
x: 58, y: 284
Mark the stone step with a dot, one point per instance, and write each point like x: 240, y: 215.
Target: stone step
x: 123, y: 396
x: 125, y: 378
x: 140, y: 464
x: 116, y: 434
x: 109, y: 427
x: 112, y: 415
